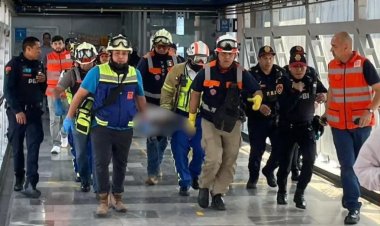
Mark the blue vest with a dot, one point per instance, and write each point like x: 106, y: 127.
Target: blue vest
x: 119, y: 114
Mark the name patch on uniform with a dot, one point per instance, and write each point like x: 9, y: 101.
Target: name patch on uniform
x: 279, y: 88
x: 130, y: 95
x: 212, y: 92
x: 357, y: 63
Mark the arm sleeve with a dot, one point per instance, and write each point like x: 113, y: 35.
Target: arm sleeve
x: 370, y: 73
x: 42, y: 85
x: 140, y: 87
x: 197, y: 84
x: 289, y: 98
x: 91, y: 81
x: 367, y: 165
x: 142, y: 66
x: 320, y: 87
x: 10, y: 86
x: 250, y: 84
x: 169, y: 89
x: 66, y: 80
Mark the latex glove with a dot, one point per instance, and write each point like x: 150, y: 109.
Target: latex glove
x: 68, y: 124
x: 59, y: 111
x: 256, y: 102
x: 190, y: 125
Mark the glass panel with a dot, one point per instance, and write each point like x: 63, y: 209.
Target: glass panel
x: 334, y: 11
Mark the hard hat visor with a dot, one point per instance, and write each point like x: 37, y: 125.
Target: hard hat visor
x: 161, y: 40
x: 200, y: 59
x: 227, y: 44
x: 119, y: 40
x: 85, y: 53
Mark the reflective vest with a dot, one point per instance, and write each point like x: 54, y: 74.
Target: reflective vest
x: 55, y: 64
x: 350, y: 93
x: 120, y: 113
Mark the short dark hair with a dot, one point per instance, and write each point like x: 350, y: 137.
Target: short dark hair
x: 46, y: 33
x: 57, y: 38
x: 29, y: 41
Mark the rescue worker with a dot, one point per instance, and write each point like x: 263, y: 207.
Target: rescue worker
x: 24, y: 87
x: 219, y: 84
x: 85, y: 55
x: 154, y: 67
x: 57, y: 61
x: 175, y: 96
x: 353, y: 97
x: 264, y: 123
x: 173, y: 50
x: 302, y: 89
x: 118, y: 93
x: 103, y: 55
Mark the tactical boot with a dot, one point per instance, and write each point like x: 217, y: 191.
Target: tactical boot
x: 353, y: 217
x: 116, y: 203
x: 282, y: 198
x: 217, y: 202
x: 102, y: 209
x: 299, y: 199
x: 195, y: 184
x: 251, y: 184
x: 19, y: 183
x: 271, y: 180
x: 184, y: 191
x: 203, y: 197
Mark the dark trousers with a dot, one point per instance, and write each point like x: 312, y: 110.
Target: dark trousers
x: 304, y: 135
x: 110, y: 143
x: 34, y: 137
x: 258, y: 131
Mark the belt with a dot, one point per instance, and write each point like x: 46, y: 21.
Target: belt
x: 31, y: 106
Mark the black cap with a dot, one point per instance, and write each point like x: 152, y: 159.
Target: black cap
x: 297, y: 50
x: 297, y: 59
x: 266, y: 50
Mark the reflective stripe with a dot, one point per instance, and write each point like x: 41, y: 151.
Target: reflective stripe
x: 352, y: 99
x: 207, y: 72
x: 152, y: 95
x: 351, y: 90
x: 168, y: 88
x: 62, y: 61
x: 207, y: 108
x: 342, y: 71
x: 113, y: 79
x: 332, y: 118
x: 101, y: 122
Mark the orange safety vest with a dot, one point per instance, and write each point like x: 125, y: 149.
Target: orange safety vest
x: 350, y: 93
x: 55, y: 64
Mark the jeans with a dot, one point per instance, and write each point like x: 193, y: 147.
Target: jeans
x: 82, y: 144
x: 347, y: 144
x: 155, y: 150
x: 56, y: 121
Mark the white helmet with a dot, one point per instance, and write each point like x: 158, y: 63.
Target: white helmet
x: 85, y: 53
x: 163, y: 37
x: 198, y: 52
x: 227, y: 44
x: 119, y: 42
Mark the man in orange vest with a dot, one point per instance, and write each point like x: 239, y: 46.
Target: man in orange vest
x: 56, y: 61
x: 353, y: 96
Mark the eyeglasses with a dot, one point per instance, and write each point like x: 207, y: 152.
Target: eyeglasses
x: 119, y: 40
x: 227, y: 44
x: 161, y: 39
x: 200, y: 59
x: 85, y: 53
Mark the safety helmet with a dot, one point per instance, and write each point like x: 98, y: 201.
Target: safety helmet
x: 102, y: 50
x: 119, y: 42
x: 162, y: 37
x: 85, y: 53
x: 198, y: 52
x: 227, y: 44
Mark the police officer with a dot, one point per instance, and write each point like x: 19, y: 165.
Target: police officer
x: 118, y: 93
x: 153, y: 67
x: 85, y: 55
x: 175, y: 96
x: 219, y: 84
x: 24, y: 87
x: 296, y: 114
x: 264, y: 123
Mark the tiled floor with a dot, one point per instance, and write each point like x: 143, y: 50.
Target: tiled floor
x: 63, y: 204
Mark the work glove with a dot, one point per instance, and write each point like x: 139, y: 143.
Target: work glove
x: 59, y: 111
x: 68, y: 125
x: 190, y: 124
x: 256, y: 102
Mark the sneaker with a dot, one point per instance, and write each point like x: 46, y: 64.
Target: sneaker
x: 151, y: 181
x: 77, y: 178
x: 218, y: 202
x: 353, y: 217
x: 55, y: 150
x: 64, y: 142
x: 184, y: 191
x: 31, y: 191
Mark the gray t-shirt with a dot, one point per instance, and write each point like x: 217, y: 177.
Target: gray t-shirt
x: 68, y: 78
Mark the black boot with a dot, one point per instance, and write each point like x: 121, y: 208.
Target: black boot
x: 85, y: 187
x: 184, y: 191
x: 19, y: 183
x: 195, y: 184
x: 217, y: 202
x: 203, y: 197
x: 271, y: 180
x: 282, y: 198
x: 251, y: 184
x: 299, y: 199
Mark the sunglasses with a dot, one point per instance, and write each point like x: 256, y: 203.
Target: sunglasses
x: 227, y: 44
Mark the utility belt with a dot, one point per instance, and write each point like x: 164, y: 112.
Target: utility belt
x: 84, y: 116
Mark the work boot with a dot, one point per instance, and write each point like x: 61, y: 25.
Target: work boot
x: 102, y: 209
x: 30, y: 191
x: 217, y: 202
x: 282, y: 198
x: 271, y: 180
x: 195, y: 184
x: 19, y: 183
x: 353, y: 217
x: 151, y: 181
x: 184, y: 191
x: 299, y: 199
x: 251, y: 184
x: 203, y: 197
x: 115, y: 201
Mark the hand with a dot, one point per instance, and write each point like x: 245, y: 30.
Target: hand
x: 365, y: 119
x: 58, y: 107
x: 190, y: 124
x: 265, y: 110
x: 68, y: 124
x: 21, y: 118
x: 41, y: 77
x: 323, y: 119
x: 299, y: 86
x: 256, y: 102
x: 321, y: 98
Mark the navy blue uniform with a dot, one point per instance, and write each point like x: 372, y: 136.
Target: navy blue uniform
x: 24, y: 94
x: 296, y: 114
